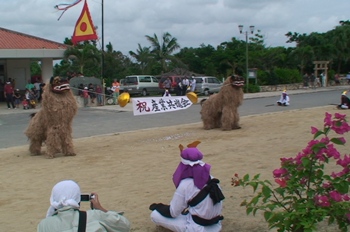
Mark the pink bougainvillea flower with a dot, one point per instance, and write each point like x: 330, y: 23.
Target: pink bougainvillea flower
x: 314, y: 130
x: 344, y: 162
x: 331, y: 151
x: 346, y: 197
x: 327, y: 185
x: 286, y: 161
x: 282, y: 182
x: 340, y: 116
x: 322, y: 201
x: 279, y: 172
x: 336, y: 196
x: 327, y: 119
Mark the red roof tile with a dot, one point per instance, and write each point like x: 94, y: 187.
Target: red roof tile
x: 16, y: 40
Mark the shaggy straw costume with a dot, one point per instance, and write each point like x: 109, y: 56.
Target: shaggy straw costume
x: 221, y: 109
x: 53, y: 123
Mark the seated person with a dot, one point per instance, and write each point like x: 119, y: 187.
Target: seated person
x: 344, y: 101
x: 64, y: 214
x: 284, y: 100
x: 197, y: 201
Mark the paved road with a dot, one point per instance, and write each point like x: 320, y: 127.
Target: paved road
x: 99, y: 121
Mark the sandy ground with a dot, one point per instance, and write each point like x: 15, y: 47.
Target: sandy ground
x: 132, y: 170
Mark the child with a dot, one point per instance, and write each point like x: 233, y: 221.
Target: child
x: 25, y: 104
x: 17, y: 96
x: 86, y: 96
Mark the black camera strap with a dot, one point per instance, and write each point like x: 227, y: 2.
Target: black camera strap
x: 82, y: 221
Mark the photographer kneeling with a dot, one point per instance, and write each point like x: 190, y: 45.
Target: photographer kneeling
x: 64, y: 214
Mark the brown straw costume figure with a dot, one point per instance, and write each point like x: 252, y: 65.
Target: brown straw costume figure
x: 221, y: 110
x: 53, y: 123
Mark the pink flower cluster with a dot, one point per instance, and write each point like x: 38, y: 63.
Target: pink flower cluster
x: 318, y: 152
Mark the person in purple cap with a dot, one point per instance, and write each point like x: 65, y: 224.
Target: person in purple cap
x: 197, y: 202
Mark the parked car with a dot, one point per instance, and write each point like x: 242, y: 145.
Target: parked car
x: 141, y: 84
x: 207, y: 85
x: 174, y: 81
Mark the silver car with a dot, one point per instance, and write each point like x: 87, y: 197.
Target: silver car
x: 140, y: 84
x: 207, y: 85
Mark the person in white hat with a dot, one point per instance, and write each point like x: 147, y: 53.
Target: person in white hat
x: 284, y: 100
x: 64, y: 214
x: 344, y: 101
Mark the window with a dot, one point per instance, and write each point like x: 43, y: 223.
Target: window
x: 199, y: 80
x: 155, y: 80
x: 130, y: 80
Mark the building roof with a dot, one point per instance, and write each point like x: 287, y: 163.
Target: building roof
x: 16, y: 40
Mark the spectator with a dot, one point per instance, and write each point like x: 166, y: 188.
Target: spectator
x: 178, y: 88
x: 337, y: 79
x: 192, y: 208
x: 8, y: 94
x: 29, y: 86
x: 193, y: 84
x: 17, y: 98
x: 25, y: 104
x: 185, y: 85
x: 166, y: 85
x: 86, y: 96
x: 323, y: 79
x: 312, y: 81
x: 115, y: 89
x: 99, y: 95
x: 64, y: 213
x: 37, y: 87
x: 92, y: 93
x: 348, y: 77
x: 80, y: 90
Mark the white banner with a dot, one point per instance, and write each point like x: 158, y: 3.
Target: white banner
x: 154, y: 105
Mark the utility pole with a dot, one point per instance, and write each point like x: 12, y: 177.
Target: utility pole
x: 246, y: 52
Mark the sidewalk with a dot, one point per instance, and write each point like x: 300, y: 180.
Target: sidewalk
x: 128, y: 107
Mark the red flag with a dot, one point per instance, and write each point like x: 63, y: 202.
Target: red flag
x: 84, y: 28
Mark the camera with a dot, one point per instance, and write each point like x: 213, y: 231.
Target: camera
x: 86, y: 197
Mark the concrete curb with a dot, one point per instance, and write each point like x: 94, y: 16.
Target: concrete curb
x: 128, y: 107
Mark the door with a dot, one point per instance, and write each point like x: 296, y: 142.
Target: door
x: 19, y: 76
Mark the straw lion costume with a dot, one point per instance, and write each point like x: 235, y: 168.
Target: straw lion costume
x: 53, y: 123
x: 221, y: 109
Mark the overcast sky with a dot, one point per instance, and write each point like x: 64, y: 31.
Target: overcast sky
x: 192, y: 22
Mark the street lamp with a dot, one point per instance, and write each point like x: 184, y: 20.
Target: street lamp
x: 246, y: 50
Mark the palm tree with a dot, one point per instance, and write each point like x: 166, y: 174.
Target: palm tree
x: 162, y: 50
x: 142, y: 56
x: 81, y: 56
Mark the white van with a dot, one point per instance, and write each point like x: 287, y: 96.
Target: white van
x: 141, y: 84
x: 207, y: 85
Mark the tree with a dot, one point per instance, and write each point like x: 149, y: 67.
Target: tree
x: 162, y: 50
x: 80, y: 56
x: 143, y: 57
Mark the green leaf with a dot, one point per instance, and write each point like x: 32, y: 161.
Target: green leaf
x: 255, y: 200
x: 305, y: 161
x: 342, y: 187
x: 268, y: 215
x: 249, y: 210
x: 318, y: 133
x: 266, y: 191
x: 254, y: 185
x: 256, y: 177
x: 246, y: 178
x: 337, y: 141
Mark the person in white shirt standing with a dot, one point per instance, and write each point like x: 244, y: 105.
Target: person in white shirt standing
x: 185, y: 84
x: 197, y: 202
x: 193, y: 84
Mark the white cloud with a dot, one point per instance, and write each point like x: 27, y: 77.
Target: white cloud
x: 192, y: 22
